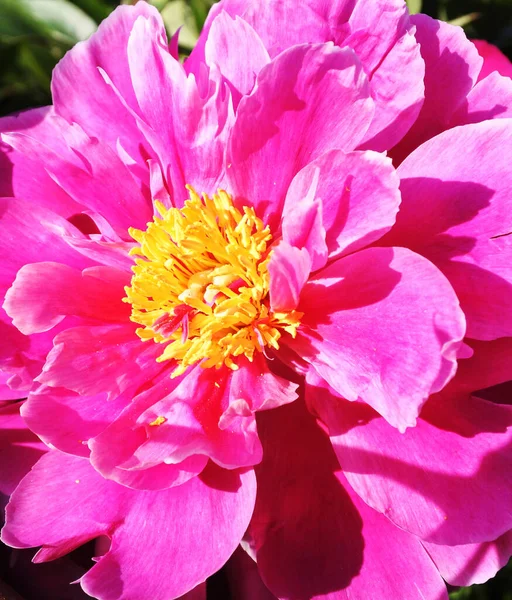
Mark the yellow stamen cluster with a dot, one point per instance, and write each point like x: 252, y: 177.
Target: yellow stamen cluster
x: 200, y: 284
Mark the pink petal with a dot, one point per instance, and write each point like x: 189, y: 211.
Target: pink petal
x: 203, y: 413
x: 196, y: 526
x: 25, y: 176
x: 67, y: 421
x: 302, y: 219
x: 447, y: 480
x: 236, y: 49
x: 379, y: 32
x: 44, y: 293
x: 186, y: 127
x: 456, y: 211
x: 472, y: 563
x: 491, y: 98
x: 114, y: 451
x: 197, y: 420
x: 452, y: 65
x: 383, y: 326
x: 261, y: 388
x: 96, y: 177
x: 358, y: 195
x: 307, y: 100
x: 383, y: 37
x: 33, y: 234
x: 104, y: 358
x: 80, y: 93
x: 289, y: 269
x: 312, y: 536
x: 494, y: 60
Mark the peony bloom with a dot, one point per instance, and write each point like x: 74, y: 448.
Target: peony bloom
x: 235, y: 320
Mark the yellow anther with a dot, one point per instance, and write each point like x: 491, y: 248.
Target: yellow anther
x: 158, y: 421
x: 200, y: 284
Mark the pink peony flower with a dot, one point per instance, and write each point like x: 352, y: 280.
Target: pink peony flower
x: 235, y: 319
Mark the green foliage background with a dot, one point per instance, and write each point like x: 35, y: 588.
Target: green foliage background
x: 35, y: 35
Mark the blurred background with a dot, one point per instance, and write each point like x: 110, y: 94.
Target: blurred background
x: 34, y: 36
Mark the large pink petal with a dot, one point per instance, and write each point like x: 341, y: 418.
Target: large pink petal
x: 91, y: 360
x: 452, y: 65
x: 310, y: 533
x: 447, y: 480
x: 472, y: 563
x: 63, y: 502
x: 383, y: 326
x: 114, y: 450
x: 456, y: 210
x: 44, y: 293
x: 358, y: 195
x: 80, y: 93
x: 308, y: 100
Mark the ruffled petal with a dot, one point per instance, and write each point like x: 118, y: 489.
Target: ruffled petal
x: 380, y: 32
x: 25, y: 176
x: 357, y: 196
x: 43, y: 294
x: 91, y: 360
x: 452, y: 65
x: 203, y: 413
x: 237, y: 51
x: 67, y: 421
x: 448, y: 480
x: 80, y: 93
x: 309, y: 99
x: 457, y: 211
x: 94, y: 176
x: 196, y: 526
x: 383, y: 326
x: 186, y: 125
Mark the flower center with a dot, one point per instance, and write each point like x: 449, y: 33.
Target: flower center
x: 200, y: 284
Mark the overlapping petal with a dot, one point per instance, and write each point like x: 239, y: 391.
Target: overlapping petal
x: 363, y: 311
x: 446, y: 480
x: 456, y: 211
x: 214, y: 509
